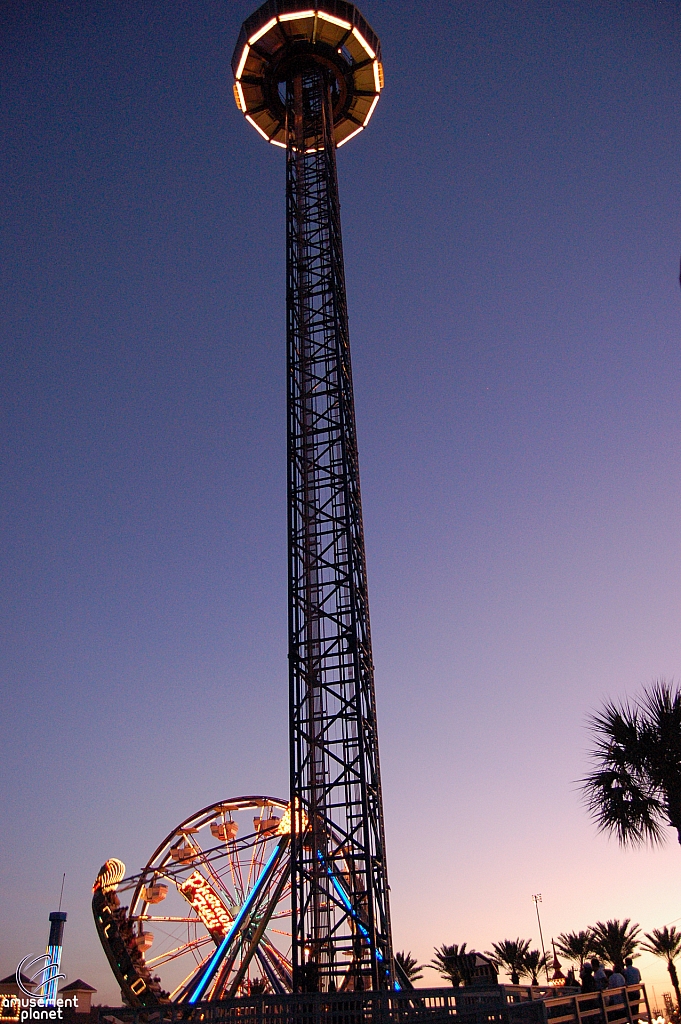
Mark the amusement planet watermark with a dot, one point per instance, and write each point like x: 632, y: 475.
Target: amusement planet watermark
x: 35, y: 1004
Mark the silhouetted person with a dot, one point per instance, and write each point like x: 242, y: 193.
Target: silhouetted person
x: 616, y: 980
x: 600, y: 977
x: 588, y: 983
x: 632, y: 976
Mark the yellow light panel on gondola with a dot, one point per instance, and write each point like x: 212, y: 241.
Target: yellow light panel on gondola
x: 262, y: 31
x: 363, y: 43
x: 371, y: 110
x: 258, y: 128
x: 351, y: 136
x: 333, y: 19
x: 296, y: 16
x: 284, y: 828
x: 242, y: 62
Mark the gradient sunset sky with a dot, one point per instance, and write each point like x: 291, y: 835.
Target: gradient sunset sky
x: 512, y: 231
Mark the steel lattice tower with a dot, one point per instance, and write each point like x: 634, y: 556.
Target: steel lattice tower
x: 308, y: 80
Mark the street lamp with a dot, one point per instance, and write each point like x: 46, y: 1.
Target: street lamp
x: 537, y: 900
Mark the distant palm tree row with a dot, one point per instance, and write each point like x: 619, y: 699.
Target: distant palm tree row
x: 634, y: 792
x: 612, y: 941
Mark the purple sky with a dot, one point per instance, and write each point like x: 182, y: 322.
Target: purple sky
x: 512, y: 233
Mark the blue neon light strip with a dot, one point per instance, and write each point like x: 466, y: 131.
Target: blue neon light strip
x: 224, y: 945
x: 53, y: 975
x: 346, y: 901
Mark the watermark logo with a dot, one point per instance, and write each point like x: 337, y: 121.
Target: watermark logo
x: 39, y: 982
x: 38, y: 1002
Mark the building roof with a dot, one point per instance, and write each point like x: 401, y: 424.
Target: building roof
x: 11, y: 979
x: 78, y: 986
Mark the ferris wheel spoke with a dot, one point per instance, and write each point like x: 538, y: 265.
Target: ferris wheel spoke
x: 173, y: 954
x: 254, y: 862
x: 149, y: 918
x: 272, y: 950
x: 186, y: 980
x: 279, y: 915
x: 235, y: 868
x: 282, y: 967
x: 279, y: 984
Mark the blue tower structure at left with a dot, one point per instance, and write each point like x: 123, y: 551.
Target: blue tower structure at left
x: 53, y: 953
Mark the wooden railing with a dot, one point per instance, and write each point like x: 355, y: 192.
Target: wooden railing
x: 497, y: 1004
x: 612, y: 1006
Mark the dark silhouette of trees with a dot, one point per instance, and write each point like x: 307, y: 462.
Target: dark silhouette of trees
x: 510, y: 954
x: 576, y: 946
x: 615, y: 940
x: 412, y: 969
x: 534, y: 962
x: 445, y: 962
x: 634, y: 790
x: 258, y: 987
x: 666, y: 942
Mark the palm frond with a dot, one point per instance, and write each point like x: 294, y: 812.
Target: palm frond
x: 615, y: 940
x: 664, y: 942
x: 576, y: 946
x: 627, y: 793
x: 534, y: 962
x: 446, y: 962
x: 411, y: 967
x: 510, y: 954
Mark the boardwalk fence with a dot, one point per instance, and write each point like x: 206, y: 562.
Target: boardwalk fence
x: 500, y: 1004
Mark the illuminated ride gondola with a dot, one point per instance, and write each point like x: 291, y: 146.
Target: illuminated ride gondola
x: 209, y: 917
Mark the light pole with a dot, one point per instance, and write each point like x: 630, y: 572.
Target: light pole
x: 537, y: 900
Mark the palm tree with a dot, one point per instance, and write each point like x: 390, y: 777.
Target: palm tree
x: 534, y: 962
x: 445, y: 962
x: 666, y: 943
x: 412, y: 969
x: 258, y: 987
x: 576, y: 946
x: 615, y: 940
x: 635, y: 788
x: 510, y: 954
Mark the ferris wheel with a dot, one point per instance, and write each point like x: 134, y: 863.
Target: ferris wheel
x: 209, y: 916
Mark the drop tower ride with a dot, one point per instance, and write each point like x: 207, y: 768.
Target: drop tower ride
x: 308, y: 81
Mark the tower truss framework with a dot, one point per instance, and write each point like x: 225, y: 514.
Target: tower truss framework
x: 312, y: 79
